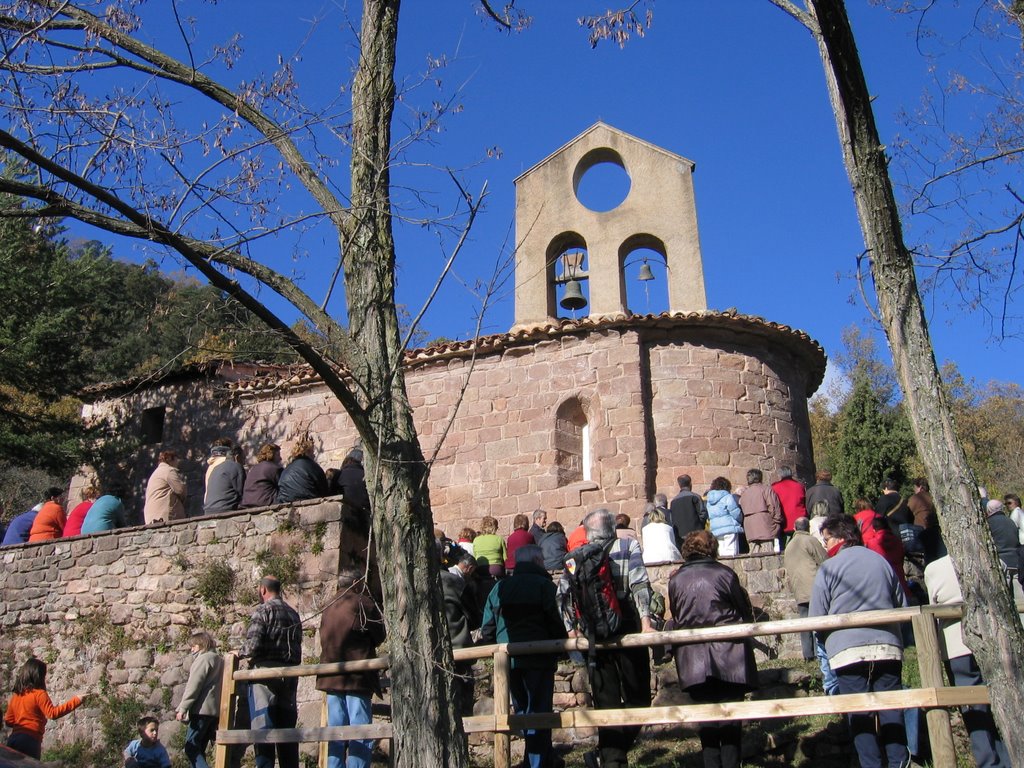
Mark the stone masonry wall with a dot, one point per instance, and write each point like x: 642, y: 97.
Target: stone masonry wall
x: 721, y: 407
x: 111, y: 613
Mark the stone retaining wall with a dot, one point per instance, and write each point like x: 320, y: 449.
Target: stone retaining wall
x: 111, y: 613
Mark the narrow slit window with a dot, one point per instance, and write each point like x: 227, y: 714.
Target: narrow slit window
x: 572, y: 443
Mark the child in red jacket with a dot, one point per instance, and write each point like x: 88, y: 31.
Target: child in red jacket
x: 30, y: 708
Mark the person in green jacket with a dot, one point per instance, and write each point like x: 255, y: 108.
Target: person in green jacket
x: 522, y: 608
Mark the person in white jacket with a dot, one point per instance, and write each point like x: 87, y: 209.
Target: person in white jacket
x: 658, y: 538
x: 986, y: 745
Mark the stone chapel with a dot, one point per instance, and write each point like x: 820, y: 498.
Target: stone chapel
x: 582, y: 403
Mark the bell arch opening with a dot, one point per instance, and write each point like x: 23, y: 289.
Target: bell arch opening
x: 643, y: 263
x: 568, y: 278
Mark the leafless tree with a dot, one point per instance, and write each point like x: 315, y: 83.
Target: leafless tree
x: 991, y: 623
x: 958, y: 157
x: 990, y: 619
x: 156, y: 146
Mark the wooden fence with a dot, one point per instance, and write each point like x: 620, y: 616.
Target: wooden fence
x: 933, y: 696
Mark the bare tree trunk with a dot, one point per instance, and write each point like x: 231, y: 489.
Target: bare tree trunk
x: 991, y: 625
x: 427, y: 726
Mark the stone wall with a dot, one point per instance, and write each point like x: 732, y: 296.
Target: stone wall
x: 111, y: 613
x: 722, y: 406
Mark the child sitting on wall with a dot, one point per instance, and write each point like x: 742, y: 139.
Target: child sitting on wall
x: 147, y: 751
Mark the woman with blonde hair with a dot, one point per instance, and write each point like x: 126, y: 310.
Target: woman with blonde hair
x: 489, y: 548
x: 73, y: 526
x: 658, y: 538
x: 200, y: 703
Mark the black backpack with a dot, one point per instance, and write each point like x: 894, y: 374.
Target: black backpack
x: 592, y: 588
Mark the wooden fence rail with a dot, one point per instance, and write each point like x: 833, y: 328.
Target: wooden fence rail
x: 933, y: 696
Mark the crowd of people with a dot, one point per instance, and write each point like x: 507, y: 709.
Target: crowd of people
x: 886, y: 553
x: 228, y: 486
x: 541, y: 582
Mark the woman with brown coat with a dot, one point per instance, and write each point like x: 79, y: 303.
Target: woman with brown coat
x: 705, y: 593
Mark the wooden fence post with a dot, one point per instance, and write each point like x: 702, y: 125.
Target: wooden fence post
x: 322, y: 750
x: 502, y: 740
x: 227, y: 694
x: 929, y: 661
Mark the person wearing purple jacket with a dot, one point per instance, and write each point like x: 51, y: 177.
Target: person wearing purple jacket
x: 260, y: 489
x: 18, y: 530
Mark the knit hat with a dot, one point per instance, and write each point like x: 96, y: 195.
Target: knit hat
x: 356, y: 454
x: 994, y: 507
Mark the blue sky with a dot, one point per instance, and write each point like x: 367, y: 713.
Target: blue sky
x: 735, y: 87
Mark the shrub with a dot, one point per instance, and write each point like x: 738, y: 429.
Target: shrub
x: 216, y: 584
x: 284, y: 565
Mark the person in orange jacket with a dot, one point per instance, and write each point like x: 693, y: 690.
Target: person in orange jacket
x: 30, y: 708
x: 49, y: 523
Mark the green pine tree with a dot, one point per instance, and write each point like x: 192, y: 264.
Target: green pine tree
x: 873, y: 443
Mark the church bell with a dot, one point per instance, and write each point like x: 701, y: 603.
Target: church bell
x: 573, y: 297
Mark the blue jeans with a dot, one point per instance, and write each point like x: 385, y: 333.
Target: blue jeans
x: 532, y: 692
x: 829, y: 682
x: 200, y: 732
x: 272, y: 704
x: 349, y: 709
x: 891, y: 734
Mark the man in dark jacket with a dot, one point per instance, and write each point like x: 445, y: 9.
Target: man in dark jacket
x: 688, y: 510
x: 522, y: 608
x: 351, y: 628
x: 540, y: 522
x: 225, y: 482
x: 823, y: 492
x: 1004, y: 533
x: 461, y: 608
x: 350, y: 482
x: 890, y: 498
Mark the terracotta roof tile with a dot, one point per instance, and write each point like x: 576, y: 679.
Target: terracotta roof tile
x: 802, y: 346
